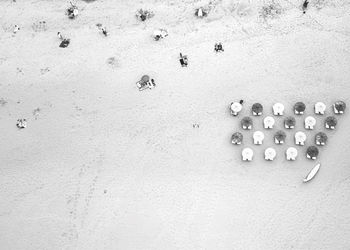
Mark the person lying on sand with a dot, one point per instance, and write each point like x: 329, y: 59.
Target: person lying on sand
x: 218, y: 47
x: 104, y: 31
x: 16, y: 29
x: 72, y: 11
x: 59, y: 35
x: 183, y: 60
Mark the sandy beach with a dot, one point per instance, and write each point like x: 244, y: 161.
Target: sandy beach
x: 102, y: 165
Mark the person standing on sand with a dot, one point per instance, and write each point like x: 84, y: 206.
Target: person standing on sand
x: 305, y: 4
x: 59, y: 35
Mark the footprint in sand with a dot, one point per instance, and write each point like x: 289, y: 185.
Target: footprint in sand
x: 20, y: 71
x: 3, y: 102
x: 39, y: 26
x: 112, y: 62
x: 44, y: 71
x: 36, y: 113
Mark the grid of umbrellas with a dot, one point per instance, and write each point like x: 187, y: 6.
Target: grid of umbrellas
x: 320, y: 138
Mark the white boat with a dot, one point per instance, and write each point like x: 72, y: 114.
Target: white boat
x: 312, y: 173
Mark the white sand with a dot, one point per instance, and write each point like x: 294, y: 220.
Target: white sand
x: 104, y: 166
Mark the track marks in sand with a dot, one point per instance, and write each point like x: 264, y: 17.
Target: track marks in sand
x: 79, y: 202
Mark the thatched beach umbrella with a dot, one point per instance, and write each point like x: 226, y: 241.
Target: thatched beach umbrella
x: 321, y: 138
x: 339, y: 107
x: 280, y: 136
x: 299, y: 108
x: 330, y: 122
x: 289, y: 122
x: 312, y: 152
x: 247, y: 123
x: 257, y: 109
x: 237, y: 138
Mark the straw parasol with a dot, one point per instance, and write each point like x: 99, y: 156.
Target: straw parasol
x: 339, y: 107
x: 237, y: 138
x: 289, y: 122
x: 331, y: 122
x: 247, y: 122
x: 321, y: 138
x: 280, y: 136
x: 299, y: 108
x: 312, y: 152
x: 257, y: 109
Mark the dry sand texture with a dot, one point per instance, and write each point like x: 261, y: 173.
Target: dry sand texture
x: 104, y: 166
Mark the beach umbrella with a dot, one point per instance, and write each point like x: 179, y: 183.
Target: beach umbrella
x: 269, y: 121
x: 145, y: 78
x: 321, y: 138
x: 235, y: 107
x: 331, y: 122
x: 300, y: 138
x: 258, y: 137
x: 278, y: 109
x: 280, y: 136
x: 237, y: 138
x: 310, y: 122
x: 247, y: 154
x: 299, y: 108
x: 257, y: 109
x: 289, y: 122
x: 312, y: 152
x: 339, y: 107
x: 320, y: 108
x: 247, y: 123
x: 270, y: 154
x: 291, y: 154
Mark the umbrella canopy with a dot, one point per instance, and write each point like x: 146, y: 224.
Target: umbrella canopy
x: 289, y: 122
x: 237, y: 138
x: 257, y: 108
x: 236, y: 106
x: 320, y: 108
x: 278, y: 109
x: 246, y: 122
x: 312, y: 151
x: 321, y: 138
x: 270, y: 154
x: 280, y: 135
x: 247, y: 154
x: 299, y: 107
x: 145, y: 78
x: 331, y: 121
x: 340, y: 106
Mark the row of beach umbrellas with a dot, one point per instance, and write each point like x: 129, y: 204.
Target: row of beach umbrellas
x: 298, y: 108
x: 289, y: 122
x: 270, y: 153
x: 300, y: 137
